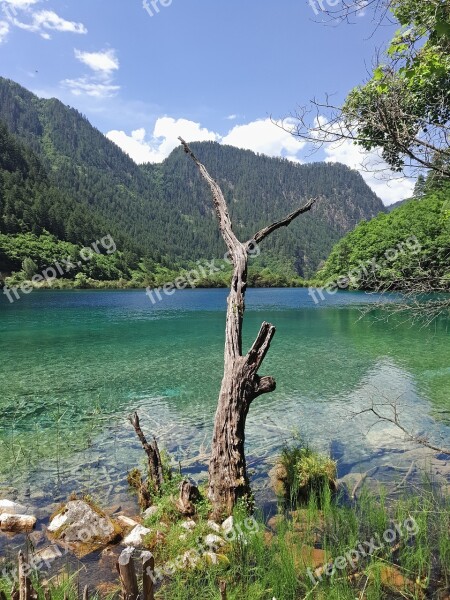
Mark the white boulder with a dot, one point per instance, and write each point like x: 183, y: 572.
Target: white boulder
x: 79, y: 523
x: 136, y: 537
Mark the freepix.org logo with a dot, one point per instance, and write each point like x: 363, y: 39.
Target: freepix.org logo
x: 153, y: 7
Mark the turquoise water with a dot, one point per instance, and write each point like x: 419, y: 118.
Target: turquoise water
x: 75, y: 364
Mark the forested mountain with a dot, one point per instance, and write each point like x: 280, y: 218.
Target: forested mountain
x: 31, y: 202
x: 409, y: 248
x: 260, y: 190
x: 82, y: 183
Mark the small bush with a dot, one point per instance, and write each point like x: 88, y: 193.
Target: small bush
x: 301, y: 473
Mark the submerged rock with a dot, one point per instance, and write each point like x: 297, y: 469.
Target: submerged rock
x: 12, y: 508
x: 48, y: 554
x: 17, y: 523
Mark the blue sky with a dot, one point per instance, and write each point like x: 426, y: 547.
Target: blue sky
x: 204, y: 69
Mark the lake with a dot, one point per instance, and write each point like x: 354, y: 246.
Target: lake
x: 75, y: 364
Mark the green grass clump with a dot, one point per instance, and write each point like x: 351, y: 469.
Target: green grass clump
x: 303, y: 472
x: 66, y: 589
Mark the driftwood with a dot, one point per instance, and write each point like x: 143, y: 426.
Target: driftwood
x: 17, y: 523
x: 189, y: 494
x: 394, y: 419
x: 241, y: 383
x: 360, y: 481
x: 127, y: 573
x: 155, y: 467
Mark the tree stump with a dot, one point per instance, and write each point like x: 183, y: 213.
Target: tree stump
x: 26, y: 591
x: 188, y: 495
x: 148, y: 570
x: 155, y: 466
x: 223, y: 590
x: 127, y: 573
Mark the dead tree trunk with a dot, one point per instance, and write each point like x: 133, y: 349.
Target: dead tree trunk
x: 241, y: 384
x: 155, y: 466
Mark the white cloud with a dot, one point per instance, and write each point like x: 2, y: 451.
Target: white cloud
x: 104, y: 61
x: 90, y: 87
x: 163, y: 140
x: 101, y: 83
x: 4, y: 30
x: 389, y: 186
x: 261, y: 136
x: 231, y: 117
x: 42, y: 21
x: 265, y: 137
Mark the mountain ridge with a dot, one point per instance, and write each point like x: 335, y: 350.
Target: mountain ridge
x: 163, y: 211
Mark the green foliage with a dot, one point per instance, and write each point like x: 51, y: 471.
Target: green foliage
x: 29, y: 267
x: 306, y: 473
x: 28, y: 254
x: 405, y: 107
x: 424, y: 258
x: 65, y: 588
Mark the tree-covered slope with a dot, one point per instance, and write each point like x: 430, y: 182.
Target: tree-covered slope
x: 407, y: 248
x: 31, y: 202
x: 259, y: 190
x: 163, y: 212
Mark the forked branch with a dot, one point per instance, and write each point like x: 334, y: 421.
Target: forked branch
x: 263, y: 233
x: 224, y: 217
x: 258, y: 351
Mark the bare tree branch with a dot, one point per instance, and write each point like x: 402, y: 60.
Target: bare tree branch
x: 219, y: 202
x: 263, y: 233
x: 395, y: 420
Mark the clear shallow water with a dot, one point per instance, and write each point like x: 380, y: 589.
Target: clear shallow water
x: 74, y: 365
